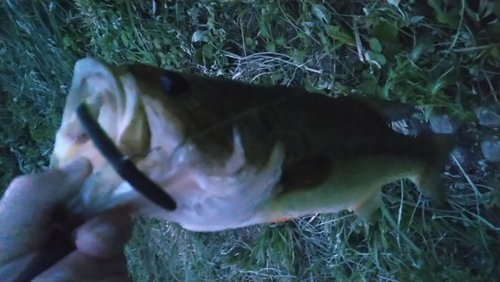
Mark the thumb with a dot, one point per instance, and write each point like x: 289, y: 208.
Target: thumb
x: 31, y: 198
x: 28, y: 238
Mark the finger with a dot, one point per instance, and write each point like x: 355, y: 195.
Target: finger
x: 80, y: 267
x: 30, y: 199
x: 105, y: 235
x: 26, y: 209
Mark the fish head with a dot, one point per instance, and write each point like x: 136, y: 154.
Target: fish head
x: 117, y: 98
x: 113, y: 99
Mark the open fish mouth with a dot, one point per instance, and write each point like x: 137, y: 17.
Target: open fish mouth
x: 122, y: 164
x: 105, y: 121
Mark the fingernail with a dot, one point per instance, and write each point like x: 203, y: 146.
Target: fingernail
x: 106, y: 230
x: 78, y: 169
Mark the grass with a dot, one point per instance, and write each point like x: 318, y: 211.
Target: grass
x: 440, y: 55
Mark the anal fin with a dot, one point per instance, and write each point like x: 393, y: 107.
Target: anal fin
x: 430, y: 184
x: 367, y: 209
x: 428, y: 180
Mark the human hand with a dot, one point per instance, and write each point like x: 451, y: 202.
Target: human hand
x: 38, y: 242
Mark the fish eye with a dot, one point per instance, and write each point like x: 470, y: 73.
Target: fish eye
x: 166, y: 83
x: 173, y: 84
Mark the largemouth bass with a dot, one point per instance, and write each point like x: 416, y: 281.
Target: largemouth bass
x: 233, y: 154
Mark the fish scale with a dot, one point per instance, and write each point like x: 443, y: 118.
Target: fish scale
x: 233, y: 154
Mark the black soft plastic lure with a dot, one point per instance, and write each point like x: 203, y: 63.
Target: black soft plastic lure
x: 121, y: 163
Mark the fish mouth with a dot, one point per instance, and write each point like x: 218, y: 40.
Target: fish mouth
x: 105, y: 121
x: 122, y: 164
